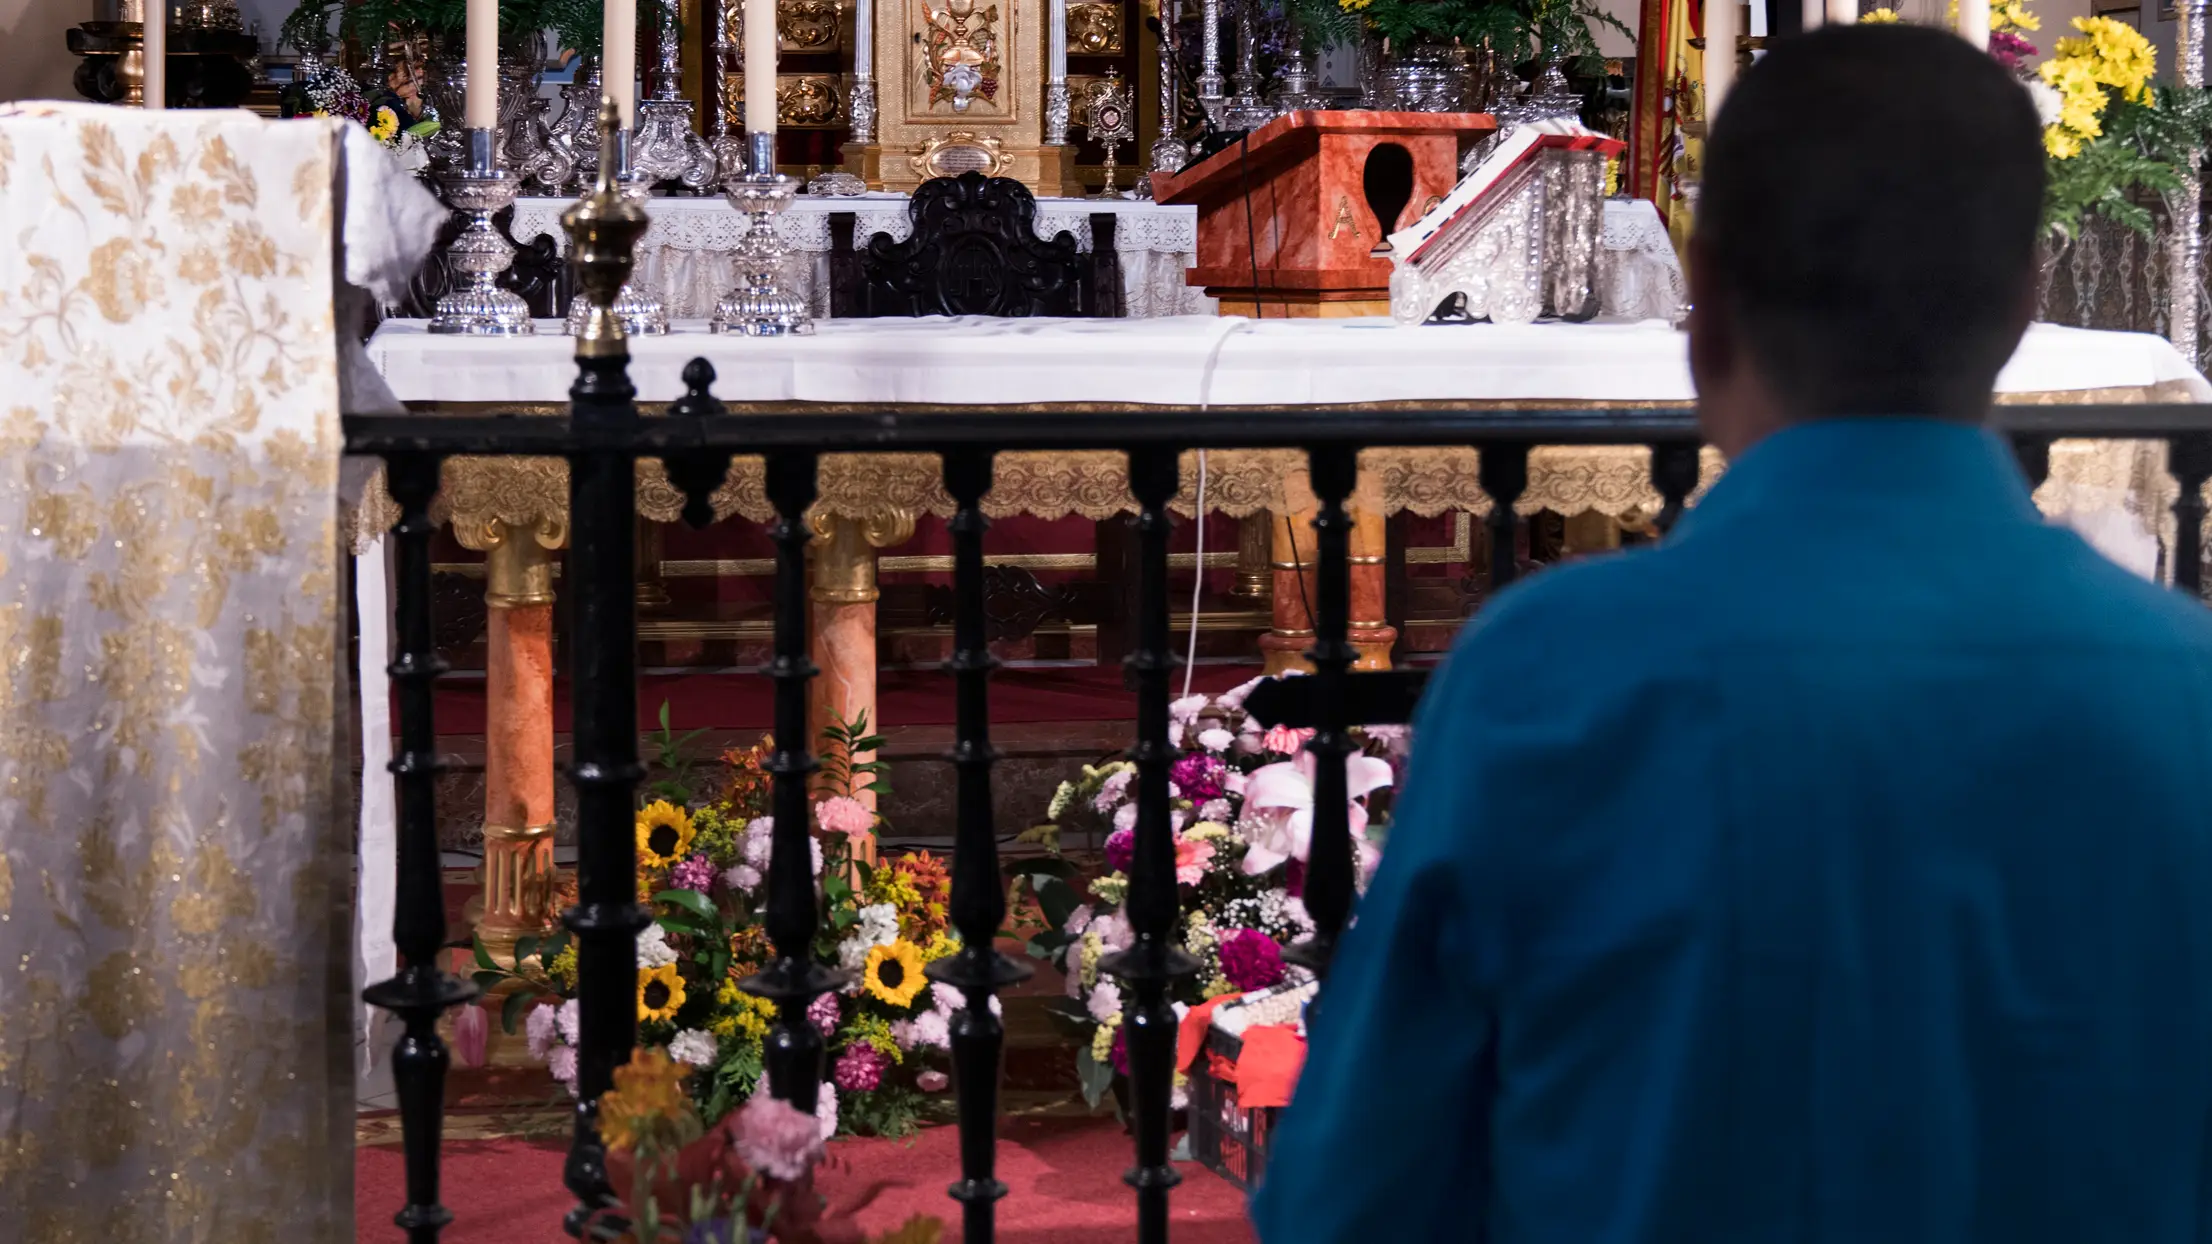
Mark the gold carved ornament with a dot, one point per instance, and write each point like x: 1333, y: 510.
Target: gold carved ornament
x: 803, y: 101
x: 949, y: 155
x: 961, y: 54
x: 801, y: 26
x: 1094, y: 29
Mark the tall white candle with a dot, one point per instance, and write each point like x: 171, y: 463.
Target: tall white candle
x: 618, y: 59
x: 483, y: 64
x: 154, y: 52
x: 1843, y: 12
x: 1722, y: 20
x: 760, y: 66
x: 1812, y: 13
x: 864, y: 37
x: 1974, y: 22
x: 1056, y: 43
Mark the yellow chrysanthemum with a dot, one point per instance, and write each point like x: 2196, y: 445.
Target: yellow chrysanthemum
x: 894, y: 972
x: 648, y: 1090
x: 660, y: 993
x: 1880, y: 17
x: 664, y: 834
x: 1353, y: 6
x: 2003, y: 15
x: 387, y: 125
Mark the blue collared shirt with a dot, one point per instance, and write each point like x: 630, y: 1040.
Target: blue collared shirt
x: 1839, y: 870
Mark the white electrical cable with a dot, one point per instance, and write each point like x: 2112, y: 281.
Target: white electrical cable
x: 1198, y: 585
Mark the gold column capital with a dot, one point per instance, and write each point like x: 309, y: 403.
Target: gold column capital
x: 845, y: 557
x: 518, y: 558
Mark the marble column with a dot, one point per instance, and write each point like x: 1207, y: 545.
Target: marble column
x: 845, y: 592
x: 1283, y: 648
x: 518, y: 731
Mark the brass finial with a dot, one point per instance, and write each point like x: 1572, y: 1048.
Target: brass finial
x: 603, y: 228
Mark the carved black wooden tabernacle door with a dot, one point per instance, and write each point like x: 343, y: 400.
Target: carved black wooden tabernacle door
x: 974, y: 251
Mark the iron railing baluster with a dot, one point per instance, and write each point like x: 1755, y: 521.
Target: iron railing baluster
x: 979, y: 971
x: 1154, y: 962
x: 602, y: 507
x: 422, y: 990
x: 792, y: 980
x: 2189, y: 457
x: 1502, y: 470
x: 1674, y: 467
x: 1334, y: 470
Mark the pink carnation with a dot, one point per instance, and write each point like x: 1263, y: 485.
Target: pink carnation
x: 776, y: 1140
x: 843, y: 814
x: 1284, y: 741
x: 932, y: 1081
x: 822, y: 1013
x: 1191, y: 858
x: 1251, y: 960
x: 860, y: 1069
x: 693, y: 873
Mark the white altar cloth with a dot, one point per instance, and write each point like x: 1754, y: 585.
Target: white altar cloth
x: 685, y: 255
x: 1186, y: 360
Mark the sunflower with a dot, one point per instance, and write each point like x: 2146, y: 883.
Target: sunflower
x: 894, y: 972
x: 664, y: 834
x: 648, y: 1090
x: 660, y: 993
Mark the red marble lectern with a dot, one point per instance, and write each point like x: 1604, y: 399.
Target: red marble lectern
x: 1322, y: 191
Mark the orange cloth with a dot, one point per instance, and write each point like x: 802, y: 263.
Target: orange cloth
x: 1190, y: 1035
x: 1268, y: 1067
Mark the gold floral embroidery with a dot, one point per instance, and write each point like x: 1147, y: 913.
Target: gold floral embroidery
x: 169, y: 432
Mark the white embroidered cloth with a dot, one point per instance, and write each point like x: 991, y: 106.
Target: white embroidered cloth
x: 174, y: 863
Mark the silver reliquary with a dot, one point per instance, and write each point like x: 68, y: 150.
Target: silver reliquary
x: 1516, y: 239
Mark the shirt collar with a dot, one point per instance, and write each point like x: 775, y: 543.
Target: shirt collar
x: 1894, y: 463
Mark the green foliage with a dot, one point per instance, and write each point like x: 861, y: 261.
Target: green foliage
x: 528, y: 979
x: 894, y: 1110
x: 308, y: 26
x: 843, y: 740
x: 672, y: 753
x: 2143, y: 148
x: 575, y: 23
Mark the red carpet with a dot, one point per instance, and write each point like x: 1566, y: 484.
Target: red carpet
x: 1065, y: 1176
x: 905, y: 698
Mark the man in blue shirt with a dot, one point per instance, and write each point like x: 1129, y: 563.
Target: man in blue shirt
x: 1840, y: 870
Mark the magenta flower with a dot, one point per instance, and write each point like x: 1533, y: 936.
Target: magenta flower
x: 822, y: 1013
x: 1121, y: 847
x: 2010, y: 49
x: 1251, y: 960
x: 1119, y: 1054
x: 860, y: 1069
x: 1200, y: 776
x: 693, y: 873
x: 776, y: 1140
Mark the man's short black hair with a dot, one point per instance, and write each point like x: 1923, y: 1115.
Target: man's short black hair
x: 1869, y: 212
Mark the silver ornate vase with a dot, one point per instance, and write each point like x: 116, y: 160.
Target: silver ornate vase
x: 445, y: 84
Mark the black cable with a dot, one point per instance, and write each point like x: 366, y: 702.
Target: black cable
x: 1299, y: 564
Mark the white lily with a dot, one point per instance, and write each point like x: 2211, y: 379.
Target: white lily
x: 1278, y: 806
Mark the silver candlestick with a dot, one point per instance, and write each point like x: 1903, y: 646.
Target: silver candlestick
x: 1169, y: 153
x: 761, y: 306
x: 480, y: 308
x: 1209, y: 75
x: 1244, y: 109
x: 642, y: 315
x: 667, y: 148
x: 1056, y: 113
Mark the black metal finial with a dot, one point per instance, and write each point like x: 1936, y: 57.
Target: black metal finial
x: 697, y: 473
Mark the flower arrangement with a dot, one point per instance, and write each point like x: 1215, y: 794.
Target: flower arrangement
x: 2110, y: 132
x: 1243, y: 824
x: 748, y: 1177
x: 703, y: 868
x: 397, y: 117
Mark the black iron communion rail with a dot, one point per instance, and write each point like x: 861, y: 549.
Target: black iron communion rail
x: 602, y: 438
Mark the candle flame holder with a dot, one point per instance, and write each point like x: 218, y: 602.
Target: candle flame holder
x: 761, y: 305
x: 641, y: 314
x: 480, y: 308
